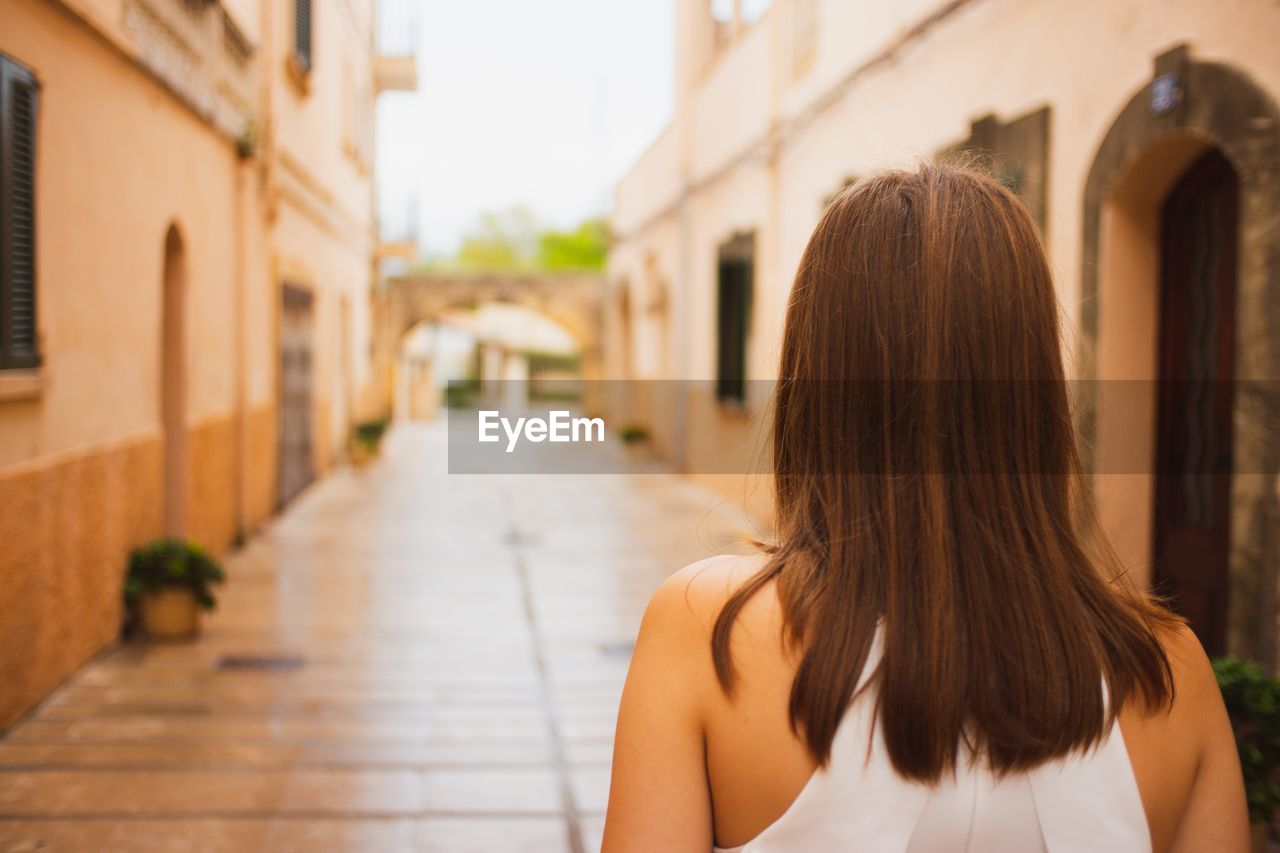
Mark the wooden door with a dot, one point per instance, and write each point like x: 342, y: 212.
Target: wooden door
x: 1197, y: 354
x: 296, y: 470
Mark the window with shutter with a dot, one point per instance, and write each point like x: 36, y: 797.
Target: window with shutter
x: 734, y: 276
x: 19, y: 94
x: 302, y: 25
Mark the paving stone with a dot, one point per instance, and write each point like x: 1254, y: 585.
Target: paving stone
x: 453, y: 687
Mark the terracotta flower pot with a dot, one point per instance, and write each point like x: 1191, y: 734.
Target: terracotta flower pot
x: 638, y: 452
x: 362, y: 455
x: 170, y: 614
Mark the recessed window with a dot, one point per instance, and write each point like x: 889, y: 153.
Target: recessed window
x: 19, y: 99
x: 303, y: 29
x: 735, y: 275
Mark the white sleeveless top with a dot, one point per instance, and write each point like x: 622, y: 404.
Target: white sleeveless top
x: 1086, y: 802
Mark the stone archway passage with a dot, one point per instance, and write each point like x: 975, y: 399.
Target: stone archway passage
x: 1223, y: 107
x: 573, y: 300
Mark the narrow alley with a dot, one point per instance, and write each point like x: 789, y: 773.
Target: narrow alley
x: 404, y: 660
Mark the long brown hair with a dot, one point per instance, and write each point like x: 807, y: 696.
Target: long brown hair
x: 952, y: 516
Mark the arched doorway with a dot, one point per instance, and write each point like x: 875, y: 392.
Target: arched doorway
x: 1180, y: 314
x: 1196, y: 362
x: 173, y: 383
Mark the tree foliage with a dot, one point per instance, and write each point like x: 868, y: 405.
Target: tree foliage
x: 503, y: 240
x: 513, y: 239
x: 583, y: 248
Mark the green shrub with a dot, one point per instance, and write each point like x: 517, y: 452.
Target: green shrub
x: 369, y: 434
x: 634, y: 434
x: 1253, y: 703
x: 460, y: 394
x: 166, y: 563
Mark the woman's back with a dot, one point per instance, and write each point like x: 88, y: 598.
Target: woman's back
x: 936, y: 567
x: 1133, y: 792
x: 1091, y: 797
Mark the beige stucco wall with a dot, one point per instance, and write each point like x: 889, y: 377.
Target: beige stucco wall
x: 756, y: 148
x: 81, y: 477
x: 321, y: 203
x: 134, y: 137
x: 1084, y: 59
x: 109, y: 187
x: 66, y: 526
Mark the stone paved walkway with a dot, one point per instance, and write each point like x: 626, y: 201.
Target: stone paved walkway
x: 405, y: 660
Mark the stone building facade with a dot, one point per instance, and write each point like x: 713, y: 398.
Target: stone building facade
x: 189, y: 248
x: 1144, y: 136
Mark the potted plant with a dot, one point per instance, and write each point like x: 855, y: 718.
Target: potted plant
x: 635, y: 438
x: 247, y: 139
x: 461, y: 393
x: 1253, y: 702
x: 366, y: 440
x: 169, y: 582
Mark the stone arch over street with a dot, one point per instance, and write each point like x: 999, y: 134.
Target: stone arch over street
x: 574, y: 301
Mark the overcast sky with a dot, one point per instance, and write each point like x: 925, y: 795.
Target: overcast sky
x: 543, y: 104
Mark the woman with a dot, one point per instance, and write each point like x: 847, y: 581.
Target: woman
x: 938, y: 653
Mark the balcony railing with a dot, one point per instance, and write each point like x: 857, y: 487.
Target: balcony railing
x: 397, y: 62
x: 398, y: 229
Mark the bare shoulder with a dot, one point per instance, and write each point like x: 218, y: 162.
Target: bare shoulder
x: 660, y: 749
x: 1184, y: 756
x: 1195, y: 692
x: 672, y: 659
x: 681, y: 616
x: 1195, y: 687
x: 691, y: 599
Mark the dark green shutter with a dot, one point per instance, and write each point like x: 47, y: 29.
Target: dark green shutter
x: 302, y: 32
x: 19, y: 95
x: 733, y: 318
